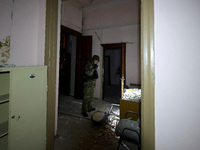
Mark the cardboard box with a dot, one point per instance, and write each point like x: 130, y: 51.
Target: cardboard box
x: 127, y: 105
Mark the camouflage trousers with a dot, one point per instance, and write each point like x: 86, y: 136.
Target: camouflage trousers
x: 88, y: 96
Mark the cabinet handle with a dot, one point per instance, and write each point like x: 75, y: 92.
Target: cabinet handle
x: 13, y: 116
x: 32, y: 75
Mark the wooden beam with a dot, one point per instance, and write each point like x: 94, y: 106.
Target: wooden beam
x: 147, y: 75
x: 50, y: 61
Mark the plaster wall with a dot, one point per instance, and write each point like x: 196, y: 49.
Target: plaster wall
x: 6, y: 8
x: 27, y: 32
x: 115, y: 22
x: 24, y: 21
x: 177, y: 71
x: 111, y: 14
x: 71, y: 16
x: 5, y: 17
x: 41, y: 32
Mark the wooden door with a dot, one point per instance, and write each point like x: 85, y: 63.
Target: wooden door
x: 28, y: 107
x: 83, y: 55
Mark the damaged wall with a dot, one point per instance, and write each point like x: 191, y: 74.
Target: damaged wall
x: 27, y: 30
x: 6, y: 9
x: 115, y: 22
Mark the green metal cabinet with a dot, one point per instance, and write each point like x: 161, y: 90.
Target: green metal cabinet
x: 23, y: 108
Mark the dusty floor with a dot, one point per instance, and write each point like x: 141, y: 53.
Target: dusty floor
x: 76, y: 132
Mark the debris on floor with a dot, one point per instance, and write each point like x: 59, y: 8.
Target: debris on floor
x: 82, y: 134
x: 76, y: 132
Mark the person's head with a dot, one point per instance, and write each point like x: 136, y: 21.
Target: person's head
x: 95, y: 58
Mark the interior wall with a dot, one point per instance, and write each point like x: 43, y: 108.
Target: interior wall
x: 6, y: 9
x: 41, y: 32
x: 71, y: 16
x: 177, y: 71
x: 5, y: 17
x: 27, y: 30
x: 115, y: 22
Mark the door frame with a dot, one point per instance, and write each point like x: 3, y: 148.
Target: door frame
x: 51, y: 62
x: 147, y: 75
x: 109, y: 75
x: 121, y: 46
x: 78, y: 36
x: 147, y: 71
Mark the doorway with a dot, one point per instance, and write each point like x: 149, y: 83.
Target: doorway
x: 75, y: 51
x: 69, y: 44
x: 147, y: 46
x: 114, y: 69
x: 67, y: 63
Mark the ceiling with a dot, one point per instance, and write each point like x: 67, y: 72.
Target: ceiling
x: 87, y: 3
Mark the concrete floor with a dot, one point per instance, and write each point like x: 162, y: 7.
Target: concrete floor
x: 76, y: 132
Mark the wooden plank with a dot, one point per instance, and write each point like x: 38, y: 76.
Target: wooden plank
x: 147, y: 75
x: 50, y: 61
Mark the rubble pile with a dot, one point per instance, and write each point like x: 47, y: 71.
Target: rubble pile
x: 130, y: 94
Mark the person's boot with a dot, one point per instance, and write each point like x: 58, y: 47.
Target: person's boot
x: 84, y: 114
x: 92, y: 109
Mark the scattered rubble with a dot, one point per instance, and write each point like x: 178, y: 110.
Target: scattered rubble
x: 79, y: 133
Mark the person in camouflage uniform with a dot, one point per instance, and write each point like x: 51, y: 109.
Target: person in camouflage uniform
x: 90, y: 78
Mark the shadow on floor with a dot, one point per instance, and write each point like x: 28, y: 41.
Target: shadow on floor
x: 76, y: 132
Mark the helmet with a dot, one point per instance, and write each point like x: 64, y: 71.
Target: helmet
x: 95, y: 57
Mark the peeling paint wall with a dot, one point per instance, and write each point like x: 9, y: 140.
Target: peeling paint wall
x: 27, y: 30
x: 6, y: 8
x: 115, y: 22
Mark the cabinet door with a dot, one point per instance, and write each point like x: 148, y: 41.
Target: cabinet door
x: 27, y: 117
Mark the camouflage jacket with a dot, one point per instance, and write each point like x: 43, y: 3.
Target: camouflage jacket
x: 90, y: 72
